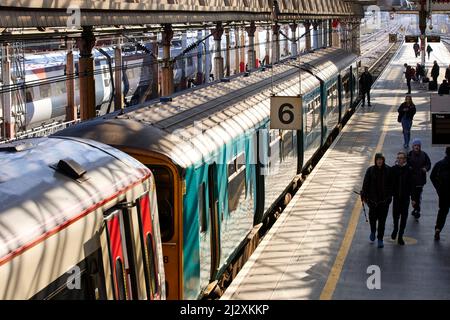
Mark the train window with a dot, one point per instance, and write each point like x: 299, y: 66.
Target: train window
x: 45, y: 90
x: 29, y: 95
x: 164, y: 185
x: 120, y: 279
x: 202, y: 207
x: 151, y: 263
x: 59, y: 88
x: 237, y: 183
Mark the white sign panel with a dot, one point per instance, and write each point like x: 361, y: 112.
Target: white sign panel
x: 286, y: 113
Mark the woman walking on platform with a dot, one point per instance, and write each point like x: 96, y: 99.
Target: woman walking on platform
x: 406, y: 113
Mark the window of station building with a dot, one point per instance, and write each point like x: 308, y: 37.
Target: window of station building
x: 202, y: 208
x: 165, y: 188
x: 236, y: 182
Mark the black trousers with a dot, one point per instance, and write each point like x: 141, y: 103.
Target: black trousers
x: 435, y: 79
x: 400, y: 212
x: 416, y: 196
x: 408, y: 83
x: 378, y: 214
x: 364, y: 93
x: 444, y: 206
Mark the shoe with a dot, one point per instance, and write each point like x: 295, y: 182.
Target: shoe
x: 372, y: 237
x: 369, y: 105
x: 394, y: 234
x: 437, y: 235
x: 401, y: 241
x: 380, y: 244
x: 406, y: 146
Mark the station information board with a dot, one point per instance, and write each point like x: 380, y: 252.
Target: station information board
x: 392, y: 38
x: 440, y: 120
x: 411, y: 39
x: 435, y: 39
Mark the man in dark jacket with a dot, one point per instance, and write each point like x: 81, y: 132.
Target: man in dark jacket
x: 420, y: 163
x: 435, y: 71
x: 377, y: 193
x: 365, y: 84
x: 408, y: 76
x: 429, y: 50
x: 440, y: 177
x: 416, y: 48
x: 444, y: 88
x: 401, y: 185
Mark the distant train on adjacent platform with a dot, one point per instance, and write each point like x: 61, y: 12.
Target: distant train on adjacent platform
x: 216, y: 183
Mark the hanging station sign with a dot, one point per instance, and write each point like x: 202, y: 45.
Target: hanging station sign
x: 286, y: 113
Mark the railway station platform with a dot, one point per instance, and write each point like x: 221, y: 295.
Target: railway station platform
x: 319, y: 248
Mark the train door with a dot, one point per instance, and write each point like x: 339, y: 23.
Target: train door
x: 213, y: 204
x: 169, y: 221
x: 121, y: 254
x: 149, y: 252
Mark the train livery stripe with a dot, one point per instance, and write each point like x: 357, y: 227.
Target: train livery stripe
x: 67, y: 223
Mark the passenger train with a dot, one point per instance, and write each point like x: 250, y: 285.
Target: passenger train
x: 78, y: 220
x: 219, y: 169
x: 45, y: 85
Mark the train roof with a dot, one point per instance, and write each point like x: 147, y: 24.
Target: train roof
x: 36, y: 198
x: 191, y: 127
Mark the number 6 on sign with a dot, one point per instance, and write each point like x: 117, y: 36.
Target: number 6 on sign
x: 286, y: 113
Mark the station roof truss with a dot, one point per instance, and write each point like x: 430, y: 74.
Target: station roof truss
x: 47, y: 13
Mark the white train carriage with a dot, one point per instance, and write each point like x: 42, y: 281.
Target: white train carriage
x: 78, y: 220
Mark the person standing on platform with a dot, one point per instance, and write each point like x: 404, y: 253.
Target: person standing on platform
x: 435, y: 72
x: 365, y: 85
x: 420, y: 163
x: 408, y: 76
x: 377, y: 193
x: 406, y: 113
x: 429, y: 50
x: 402, y: 178
x: 447, y: 74
x: 416, y: 48
x: 440, y: 177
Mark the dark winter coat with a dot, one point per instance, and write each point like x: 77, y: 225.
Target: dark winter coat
x: 409, y: 73
x: 417, y: 162
x: 365, y: 82
x: 444, y: 88
x: 447, y: 74
x: 440, y: 177
x: 406, y: 110
x: 401, y: 182
x: 429, y: 49
x: 377, y: 186
x: 435, y: 71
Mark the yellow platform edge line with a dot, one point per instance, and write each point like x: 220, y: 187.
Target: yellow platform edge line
x: 335, y: 273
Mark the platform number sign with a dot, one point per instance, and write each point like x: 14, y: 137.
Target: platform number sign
x: 286, y: 113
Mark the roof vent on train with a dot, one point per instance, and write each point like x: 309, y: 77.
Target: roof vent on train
x: 16, y: 147
x: 70, y: 168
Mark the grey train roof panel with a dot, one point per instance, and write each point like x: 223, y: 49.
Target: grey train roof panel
x: 193, y: 125
x: 35, y: 198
